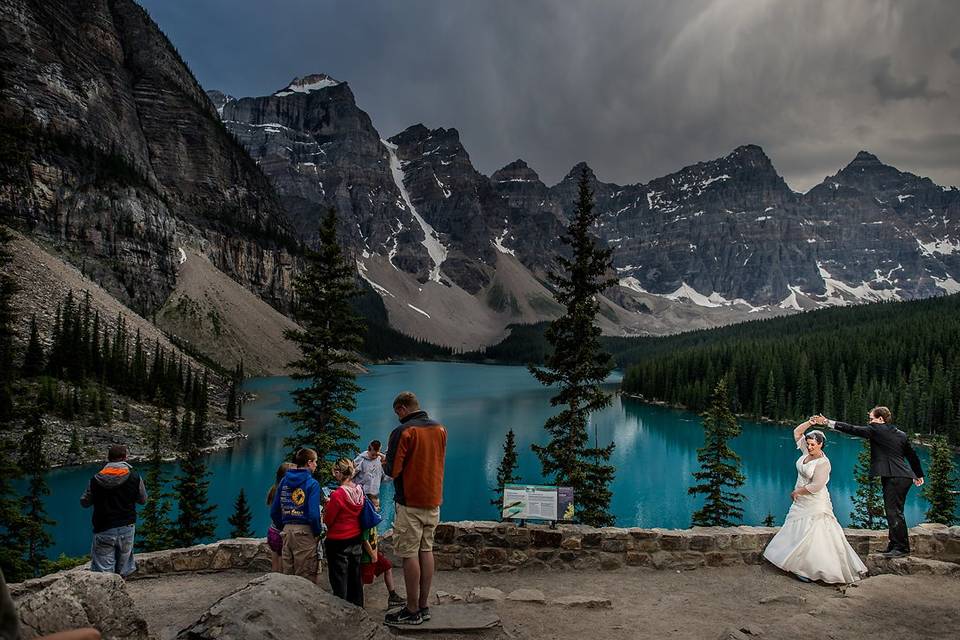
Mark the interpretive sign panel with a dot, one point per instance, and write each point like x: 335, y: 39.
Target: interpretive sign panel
x: 537, y: 502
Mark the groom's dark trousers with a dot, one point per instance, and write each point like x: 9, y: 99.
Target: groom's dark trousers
x: 894, y: 460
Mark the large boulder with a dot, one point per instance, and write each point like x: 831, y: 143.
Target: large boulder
x: 277, y: 606
x: 78, y: 599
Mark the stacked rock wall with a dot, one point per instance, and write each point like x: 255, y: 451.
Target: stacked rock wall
x: 497, y: 546
x: 494, y: 546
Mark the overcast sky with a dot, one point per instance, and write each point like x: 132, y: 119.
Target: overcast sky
x: 637, y: 88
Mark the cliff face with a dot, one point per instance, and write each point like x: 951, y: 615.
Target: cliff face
x: 121, y: 158
x: 320, y: 151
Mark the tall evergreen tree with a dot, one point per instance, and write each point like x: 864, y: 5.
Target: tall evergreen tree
x: 195, y: 520
x: 11, y: 543
x: 153, y: 531
x: 507, y: 471
x: 232, y: 401
x: 33, y: 360
x: 941, y: 485
x: 7, y: 289
x: 329, y: 338
x: 242, y: 518
x: 868, y: 511
x: 719, y: 476
x: 34, y: 521
x: 578, y: 366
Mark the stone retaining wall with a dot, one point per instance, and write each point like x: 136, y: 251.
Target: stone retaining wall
x: 494, y: 546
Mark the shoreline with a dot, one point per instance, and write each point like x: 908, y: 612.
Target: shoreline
x: 916, y: 439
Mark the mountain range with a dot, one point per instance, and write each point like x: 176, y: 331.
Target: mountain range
x: 725, y: 238
x: 117, y: 161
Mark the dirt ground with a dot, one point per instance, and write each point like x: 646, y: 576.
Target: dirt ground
x: 646, y: 604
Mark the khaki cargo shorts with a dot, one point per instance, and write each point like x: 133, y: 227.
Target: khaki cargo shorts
x: 299, y: 555
x: 414, y: 528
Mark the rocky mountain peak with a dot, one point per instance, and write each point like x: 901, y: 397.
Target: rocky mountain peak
x: 868, y: 174
x: 516, y: 171
x: 574, y: 174
x: 308, y: 84
x: 751, y: 156
x: 219, y: 99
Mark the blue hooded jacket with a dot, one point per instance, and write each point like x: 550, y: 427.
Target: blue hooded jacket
x: 297, y: 501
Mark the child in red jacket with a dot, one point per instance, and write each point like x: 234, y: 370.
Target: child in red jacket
x: 343, y: 542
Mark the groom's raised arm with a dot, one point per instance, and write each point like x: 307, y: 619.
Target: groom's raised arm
x: 852, y: 429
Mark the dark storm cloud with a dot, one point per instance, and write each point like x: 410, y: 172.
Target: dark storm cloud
x: 637, y: 89
x: 890, y: 87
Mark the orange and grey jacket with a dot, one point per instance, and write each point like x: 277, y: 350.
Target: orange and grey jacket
x: 415, y: 461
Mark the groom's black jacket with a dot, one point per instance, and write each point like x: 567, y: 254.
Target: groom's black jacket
x: 890, y: 450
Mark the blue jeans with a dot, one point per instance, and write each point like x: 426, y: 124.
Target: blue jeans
x: 112, y: 551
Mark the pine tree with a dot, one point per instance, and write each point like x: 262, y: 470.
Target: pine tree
x: 186, y: 439
x: 11, y: 543
x: 33, y: 360
x: 232, y: 402
x: 7, y: 289
x: 195, y: 520
x: 507, y: 471
x: 940, y: 488
x: 153, y: 531
x: 241, y: 519
x: 74, y: 448
x: 868, y: 511
x: 578, y: 366
x: 719, y: 474
x: 34, y: 521
x: 330, y: 336
x: 769, y: 521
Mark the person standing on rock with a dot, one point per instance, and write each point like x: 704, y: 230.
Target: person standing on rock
x: 296, y: 513
x: 370, y: 473
x: 894, y: 460
x: 114, y: 494
x: 415, y: 459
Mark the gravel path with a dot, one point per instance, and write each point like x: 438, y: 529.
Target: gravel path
x: 646, y: 603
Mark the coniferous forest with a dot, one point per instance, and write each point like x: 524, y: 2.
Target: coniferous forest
x: 838, y: 361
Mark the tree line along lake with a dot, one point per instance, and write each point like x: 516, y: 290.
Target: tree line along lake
x: 654, y: 458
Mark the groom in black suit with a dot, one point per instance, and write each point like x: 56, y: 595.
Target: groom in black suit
x: 890, y: 453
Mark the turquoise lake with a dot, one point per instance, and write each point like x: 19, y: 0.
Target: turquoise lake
x: 654, y: 457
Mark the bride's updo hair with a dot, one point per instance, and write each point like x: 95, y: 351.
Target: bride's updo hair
x: 817, y: 435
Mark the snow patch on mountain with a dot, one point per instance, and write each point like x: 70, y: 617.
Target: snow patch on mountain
x: 431, y: 240
x: 418, y: 310
x: 840, y: 293
x: 790, y: 302
x: 307, y: 84
x: 948, y: 284
x: 943, y: 246
x: 362, y: 270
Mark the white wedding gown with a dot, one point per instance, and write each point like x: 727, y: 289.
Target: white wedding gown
x: 811, y: 542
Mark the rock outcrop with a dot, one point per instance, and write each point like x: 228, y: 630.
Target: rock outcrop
x: 280, y: 607
x: 115, y: 157
x: 78, y: 599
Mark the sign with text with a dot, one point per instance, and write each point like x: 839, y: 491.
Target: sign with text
x: 537, y: 502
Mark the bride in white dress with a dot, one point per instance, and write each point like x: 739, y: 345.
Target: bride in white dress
x: 811, y: 543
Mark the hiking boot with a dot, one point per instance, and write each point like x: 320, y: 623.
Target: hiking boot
x: 402, y: 616
x: 895, y: 553
x: 425, y: 613
x: 395, y: 600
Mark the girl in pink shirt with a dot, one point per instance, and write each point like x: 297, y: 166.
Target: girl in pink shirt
x: 343, y: 544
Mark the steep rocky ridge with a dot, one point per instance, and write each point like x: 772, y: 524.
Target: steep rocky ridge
x: 716, y: 242
x: 121, y: 157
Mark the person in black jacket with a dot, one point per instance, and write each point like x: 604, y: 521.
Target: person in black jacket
x: 114, y: 494
x: 894, y: 460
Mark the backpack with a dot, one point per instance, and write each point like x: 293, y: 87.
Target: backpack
x: 369, y: 517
